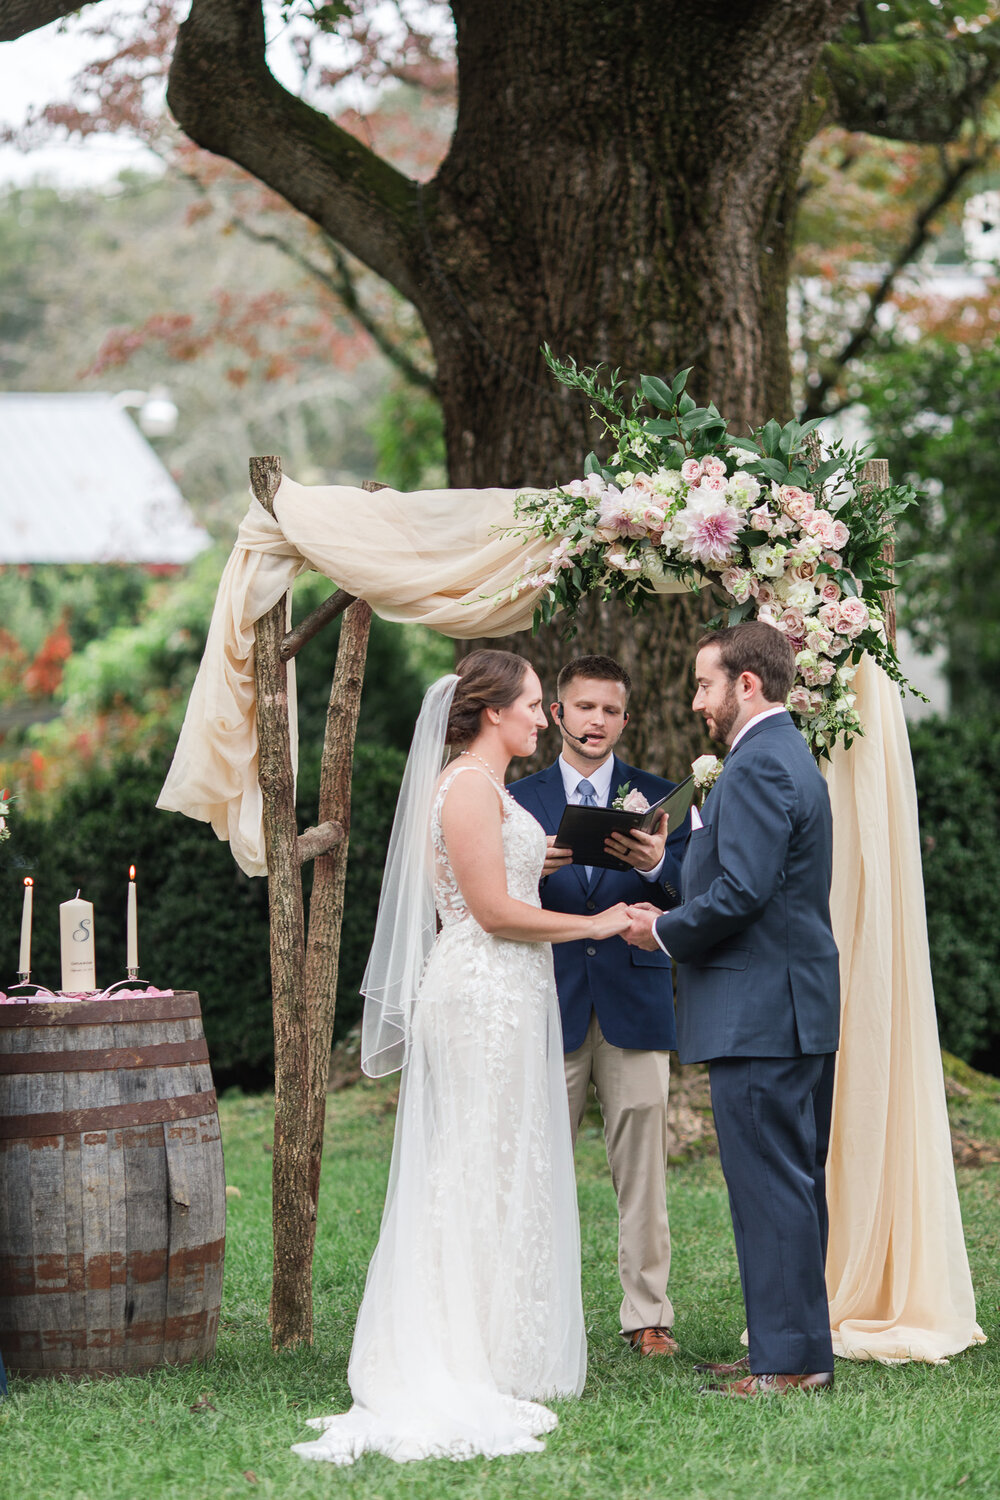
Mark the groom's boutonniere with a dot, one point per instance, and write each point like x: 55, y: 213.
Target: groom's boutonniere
x: 706, y: 771
x: 626, y: 801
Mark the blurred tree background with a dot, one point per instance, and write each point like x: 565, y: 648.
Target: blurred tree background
x: 272, y: 339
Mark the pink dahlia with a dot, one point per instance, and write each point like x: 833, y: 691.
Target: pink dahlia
x: 709, y: 536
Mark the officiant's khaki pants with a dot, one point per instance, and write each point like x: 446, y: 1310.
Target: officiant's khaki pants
x: 632, y: 1091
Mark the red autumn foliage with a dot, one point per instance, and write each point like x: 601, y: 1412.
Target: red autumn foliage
x: 45, y: 673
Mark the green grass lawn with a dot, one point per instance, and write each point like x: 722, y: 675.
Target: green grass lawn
x: 224, y: 1430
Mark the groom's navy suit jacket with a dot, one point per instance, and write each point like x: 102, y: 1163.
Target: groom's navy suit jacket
x: 630, y: 989
x: 758, y: 971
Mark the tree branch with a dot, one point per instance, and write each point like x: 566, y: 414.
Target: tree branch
x: 225, y: 98
x: 18, y: 17
x: 345, y: 287
x: 342, y: 285
x: 920, y: 234
x: 921, y: 90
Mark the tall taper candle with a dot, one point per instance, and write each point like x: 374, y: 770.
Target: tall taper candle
x: 131, y: 925
x: 24, y: 963
x: 76, y: 941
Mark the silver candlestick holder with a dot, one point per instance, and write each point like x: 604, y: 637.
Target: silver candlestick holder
x: 24, y: 976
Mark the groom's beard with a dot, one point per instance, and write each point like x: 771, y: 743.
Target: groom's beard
x: 720, y: 723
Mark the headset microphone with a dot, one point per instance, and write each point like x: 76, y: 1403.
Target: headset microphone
x: 581, y: 739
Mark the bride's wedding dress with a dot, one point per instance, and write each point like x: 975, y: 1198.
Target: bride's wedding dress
x: 472, y: 1305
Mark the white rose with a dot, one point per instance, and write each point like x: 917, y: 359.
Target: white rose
x: 743, y: 489
x: 668, y: 481
x: 768, y: 561
x: 801, y: 593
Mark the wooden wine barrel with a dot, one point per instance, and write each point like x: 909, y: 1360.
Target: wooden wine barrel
x: 112, y: 1190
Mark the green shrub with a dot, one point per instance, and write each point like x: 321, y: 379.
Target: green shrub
x: 955, y: 762
x: 203, y: 924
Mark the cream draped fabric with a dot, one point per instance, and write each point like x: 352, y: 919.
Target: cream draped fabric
x: 898, y: 1273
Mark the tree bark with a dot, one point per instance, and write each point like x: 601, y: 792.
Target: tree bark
x: 18, y: 17
x: 923, y: 89
x: 293, y: 1210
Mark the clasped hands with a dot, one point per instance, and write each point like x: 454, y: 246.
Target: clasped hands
x: 633, y: 923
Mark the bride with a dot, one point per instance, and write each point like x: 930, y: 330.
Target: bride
x: 472, y: 1305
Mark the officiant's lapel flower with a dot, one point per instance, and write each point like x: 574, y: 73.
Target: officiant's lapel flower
x: 629, y: 801
x: 706, y: 771
x: 773, y: 532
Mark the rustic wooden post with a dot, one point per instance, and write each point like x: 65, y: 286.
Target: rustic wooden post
x: 326, y: 904
x: 875, y: 476
x: 304, y: 981
x: 291, y: 1286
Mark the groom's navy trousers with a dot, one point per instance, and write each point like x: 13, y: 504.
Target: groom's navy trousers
x: 758, y: 999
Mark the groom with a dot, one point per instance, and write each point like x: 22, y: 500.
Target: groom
x: 616, y: 1003
x: 758, y: 999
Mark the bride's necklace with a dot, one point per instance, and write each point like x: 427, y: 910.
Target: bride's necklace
x: 493, y: 775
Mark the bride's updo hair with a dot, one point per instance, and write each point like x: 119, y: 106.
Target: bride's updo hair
x: 487, y: 679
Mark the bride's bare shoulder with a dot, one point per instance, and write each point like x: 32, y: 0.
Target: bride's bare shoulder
x: 461, y: 792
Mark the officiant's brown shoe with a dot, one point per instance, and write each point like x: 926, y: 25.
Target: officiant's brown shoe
x: 738, y: 1367
x: 653, y: 1341
x: 771, y: 1385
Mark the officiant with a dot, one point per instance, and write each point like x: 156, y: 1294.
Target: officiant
x: 616, y: 1002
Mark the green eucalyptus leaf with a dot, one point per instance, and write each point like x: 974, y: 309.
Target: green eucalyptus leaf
x: 657, y: 392
x: 773, y: 468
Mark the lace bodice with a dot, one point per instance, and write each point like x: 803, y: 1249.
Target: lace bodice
x: 523, y: 846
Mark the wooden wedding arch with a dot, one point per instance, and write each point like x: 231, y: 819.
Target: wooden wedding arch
x: 304, y: 970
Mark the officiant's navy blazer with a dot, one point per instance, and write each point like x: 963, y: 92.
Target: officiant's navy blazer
x: 758, y: 972
x: 631, y: 990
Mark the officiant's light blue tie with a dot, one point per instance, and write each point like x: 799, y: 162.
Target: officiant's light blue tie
x: 587, y: 793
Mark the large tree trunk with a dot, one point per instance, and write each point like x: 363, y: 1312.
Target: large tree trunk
x: 575, y: 208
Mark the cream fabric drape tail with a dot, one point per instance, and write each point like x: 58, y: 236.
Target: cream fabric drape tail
x: 897, y: 1269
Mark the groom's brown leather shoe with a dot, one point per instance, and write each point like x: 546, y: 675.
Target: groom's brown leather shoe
x: 771, y: 1385
x: 738, y: 1367
x: 653, y: 1341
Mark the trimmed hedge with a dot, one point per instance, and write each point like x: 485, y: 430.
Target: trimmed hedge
x: 203, y: 924
x: 955, y: 761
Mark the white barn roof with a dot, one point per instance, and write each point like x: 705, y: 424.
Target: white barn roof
x: 79, y: 483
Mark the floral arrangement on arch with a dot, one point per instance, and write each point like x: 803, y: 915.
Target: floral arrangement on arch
x: 776, y: 536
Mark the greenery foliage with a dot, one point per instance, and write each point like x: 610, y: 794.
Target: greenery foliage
x: 932, y: 407
x: 955, y: 761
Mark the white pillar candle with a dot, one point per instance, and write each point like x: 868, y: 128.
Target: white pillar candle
x: 76, y: 939
x: 131, y: 925
x: 24, y: 962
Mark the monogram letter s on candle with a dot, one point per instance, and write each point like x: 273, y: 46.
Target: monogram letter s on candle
x: 76, y: 941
